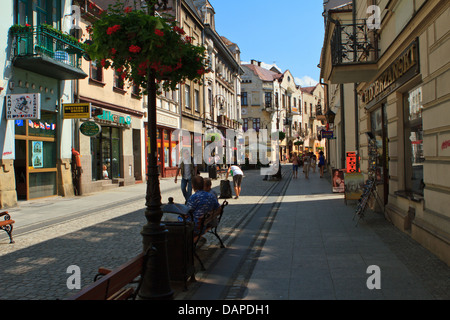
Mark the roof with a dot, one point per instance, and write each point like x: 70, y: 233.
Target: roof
x: 308, y: 89
x: 262, y: 73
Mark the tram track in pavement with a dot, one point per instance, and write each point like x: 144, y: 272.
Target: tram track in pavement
x: 230, y: 269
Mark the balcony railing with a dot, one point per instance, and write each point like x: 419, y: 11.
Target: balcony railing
x: 351, y: 43
x: 47, y: 51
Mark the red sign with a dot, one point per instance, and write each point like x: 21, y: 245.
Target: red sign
x: 351, y: 162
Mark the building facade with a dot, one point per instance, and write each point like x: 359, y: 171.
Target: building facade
x: 114, y: 157
x: 41, y: 61
x: 395, y: 84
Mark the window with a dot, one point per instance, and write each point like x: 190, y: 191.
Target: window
x: 268, y: 99
x: 23, y: 12
x: 414, y: 157
x: 244, y: 99
x: 187, y: 96
x: 118, y: 81
x: 245, y: 125
x: 256, y: 124
x: 96, y: 71
x: 197, y: 101
x: 306, y: 108
x: 42, y: 12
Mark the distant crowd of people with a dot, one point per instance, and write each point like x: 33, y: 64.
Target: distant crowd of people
x: 308, y: 161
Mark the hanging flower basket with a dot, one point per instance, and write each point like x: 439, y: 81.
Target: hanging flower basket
x: 135, y: 43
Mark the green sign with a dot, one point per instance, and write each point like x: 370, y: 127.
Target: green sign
x: 90, y: 128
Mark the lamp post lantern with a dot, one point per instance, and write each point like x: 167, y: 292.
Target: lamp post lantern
x: 156, y: 279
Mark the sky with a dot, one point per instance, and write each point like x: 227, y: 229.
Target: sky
x: 287, y: 33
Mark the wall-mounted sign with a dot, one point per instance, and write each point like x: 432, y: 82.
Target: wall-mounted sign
x: 115, y: 118
x: 76, y: 110
x: 351, y: 162
x: 90, y: 128
x: 404, y: 68
x: 23, y: 106
x: 37, y: 158
x: 327, y: 134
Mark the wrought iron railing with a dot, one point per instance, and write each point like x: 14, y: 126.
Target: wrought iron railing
x: 353, y: 43
x: 45, y: 41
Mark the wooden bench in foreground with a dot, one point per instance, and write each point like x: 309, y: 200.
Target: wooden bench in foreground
x: 7, y: 224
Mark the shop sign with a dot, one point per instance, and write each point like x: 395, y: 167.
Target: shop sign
x: 404, y: 68
x: 351, y: 162
x: 23, y: 106
x: 115, y: 118
x: 76, y: 110
x: 90, y: 128
x: 327, y: 134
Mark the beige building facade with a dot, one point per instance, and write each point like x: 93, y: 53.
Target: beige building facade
x: 397, y: 85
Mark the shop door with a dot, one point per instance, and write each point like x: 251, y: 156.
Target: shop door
x: 35, y: 163
x: 137, y: 164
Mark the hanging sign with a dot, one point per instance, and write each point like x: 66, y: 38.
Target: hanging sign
x: 23, y: 106
x: 327, y: 134
x: 90, y: 128
x: 76, y: 110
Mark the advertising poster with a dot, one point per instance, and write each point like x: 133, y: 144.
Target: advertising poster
x: 337, y: 181
x: 36, y: 154
x: 354, y: 185
x: 23, y: 106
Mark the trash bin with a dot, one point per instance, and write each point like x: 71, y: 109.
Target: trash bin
x: 180, y: 243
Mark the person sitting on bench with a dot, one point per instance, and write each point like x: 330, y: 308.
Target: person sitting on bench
x: 201, y: 202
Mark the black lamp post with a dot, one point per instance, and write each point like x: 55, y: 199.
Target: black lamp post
x: 156, y: 280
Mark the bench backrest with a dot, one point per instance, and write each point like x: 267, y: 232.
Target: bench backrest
x: 106, y: 286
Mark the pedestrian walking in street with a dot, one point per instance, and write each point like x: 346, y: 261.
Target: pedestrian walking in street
x: 188, y: 170
x: 313, y: 162
x: 295, y: 162
x: 306, y: 161
x: 321, y: 163
x: 237, y: 178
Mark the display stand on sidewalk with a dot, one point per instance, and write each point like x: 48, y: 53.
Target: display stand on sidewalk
x: 370, y: 185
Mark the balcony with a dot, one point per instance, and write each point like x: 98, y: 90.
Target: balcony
x: 48, y: 52
x: 353, y: 53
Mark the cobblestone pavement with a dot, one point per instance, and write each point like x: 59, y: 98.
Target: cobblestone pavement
x: 35, y: 267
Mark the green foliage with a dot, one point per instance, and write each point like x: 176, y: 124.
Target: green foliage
x: 135, y: 43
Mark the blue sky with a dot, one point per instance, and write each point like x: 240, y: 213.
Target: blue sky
x: 288, y: 33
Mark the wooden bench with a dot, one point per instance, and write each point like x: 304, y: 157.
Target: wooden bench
x: 114, y: 284
x: 7, y: 224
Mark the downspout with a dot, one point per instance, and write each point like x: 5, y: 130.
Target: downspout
x: 355, y: 86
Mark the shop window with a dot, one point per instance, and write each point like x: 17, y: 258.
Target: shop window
x: 414, y: 157
x: 106, y: 154
x: 377, y: 123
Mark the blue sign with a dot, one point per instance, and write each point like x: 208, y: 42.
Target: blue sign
x: 327, y: 134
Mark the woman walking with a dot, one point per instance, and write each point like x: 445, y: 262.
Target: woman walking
x: 295, y: 162
x: 306, y: 162
x: 321, y: 163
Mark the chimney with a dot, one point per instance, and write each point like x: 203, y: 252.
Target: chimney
x: 256, y: 63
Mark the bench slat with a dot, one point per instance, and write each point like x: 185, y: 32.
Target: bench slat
x: 113, y: 282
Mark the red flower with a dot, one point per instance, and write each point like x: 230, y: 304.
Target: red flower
x: 134, y: 49
x: 113, y: 51
x: 119, y: 69
x: 188, y: 39
x: 179, y: 30
x: 159, y: 33
x: 113, y: 29
x: 128, y: 9
x: 103, y: 63
x: 123, y: 75
x: 200, y: 71
x: 27, y: 25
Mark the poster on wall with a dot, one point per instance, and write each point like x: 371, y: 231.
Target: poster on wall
x: 338, y: 181
x: 37, y: 159
x: 23, y: 106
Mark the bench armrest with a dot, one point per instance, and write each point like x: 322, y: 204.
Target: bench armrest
x: 6, y: 214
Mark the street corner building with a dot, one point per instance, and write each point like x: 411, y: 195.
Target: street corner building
x: 386, y: 70
x: 40, y: 64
